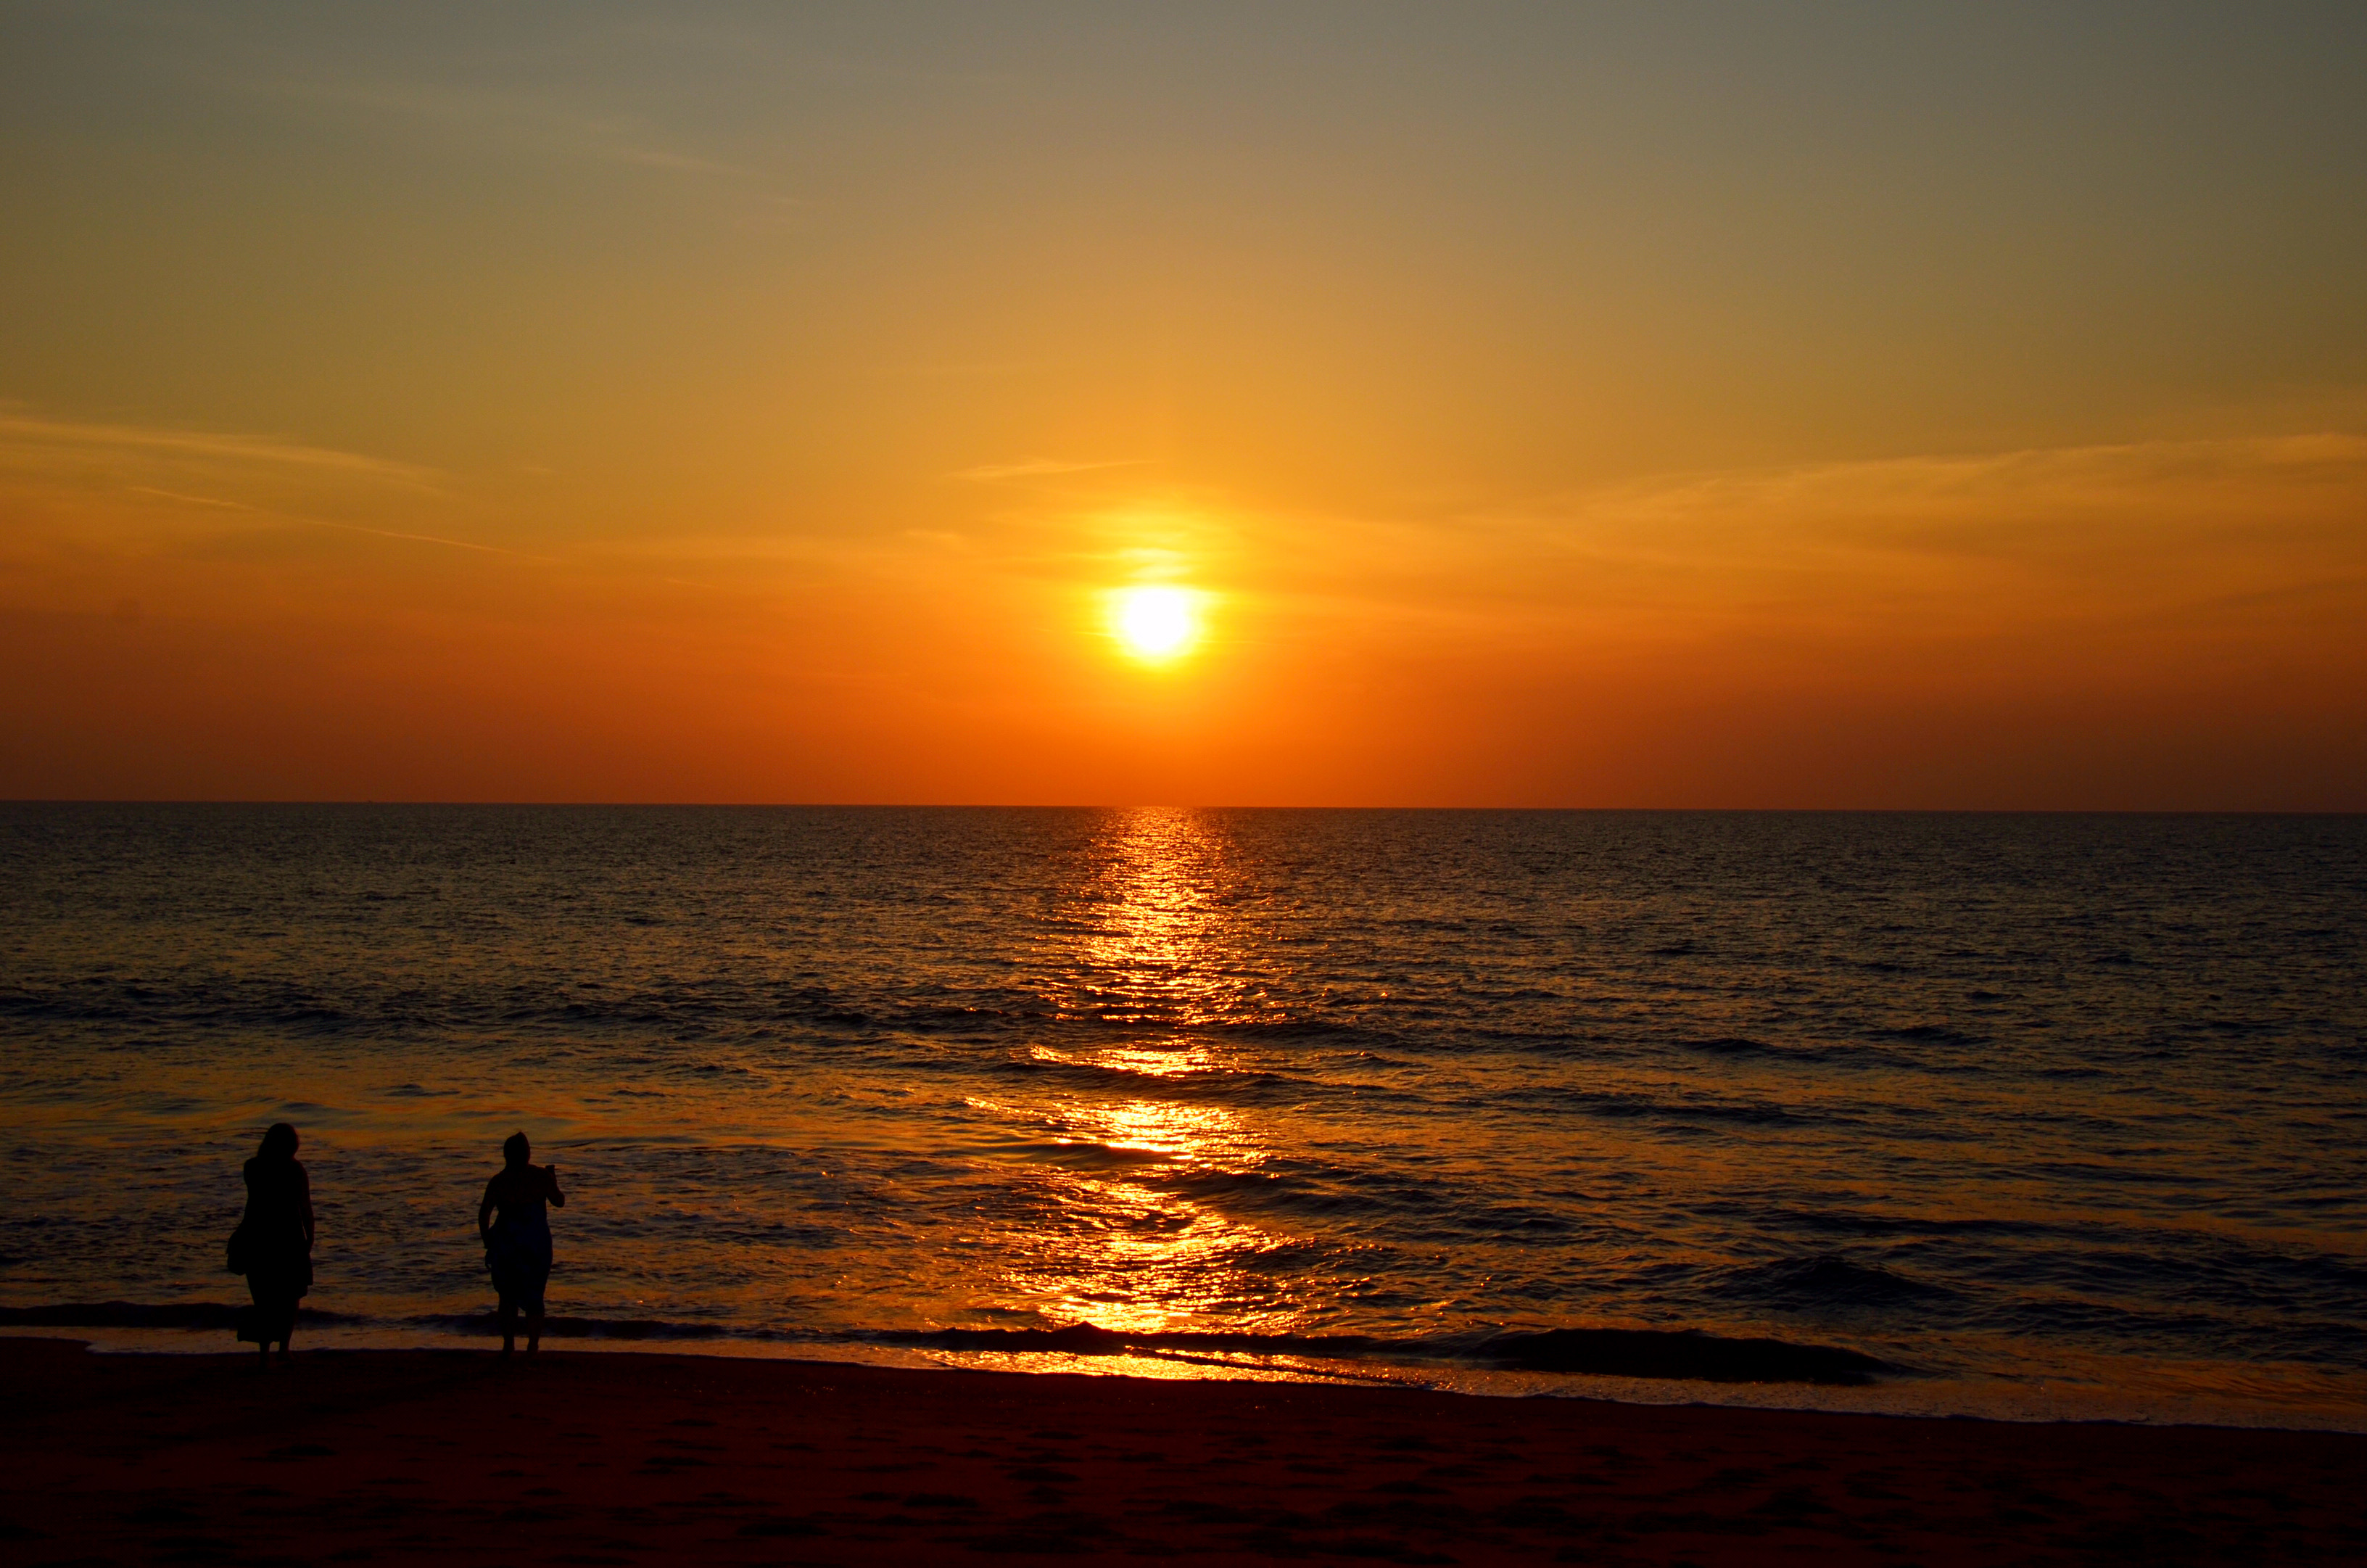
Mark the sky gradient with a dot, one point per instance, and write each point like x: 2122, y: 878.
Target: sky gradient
x: 1684, y: 405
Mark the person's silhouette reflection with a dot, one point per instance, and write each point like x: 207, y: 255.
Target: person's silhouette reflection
x: 275, y: 1241
x: 518, y: 1245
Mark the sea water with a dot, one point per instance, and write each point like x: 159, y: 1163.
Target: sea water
x: 2051, y: 1115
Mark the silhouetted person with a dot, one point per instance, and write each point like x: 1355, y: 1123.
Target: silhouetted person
x: 518, y: 1245
x: 274, y: 1239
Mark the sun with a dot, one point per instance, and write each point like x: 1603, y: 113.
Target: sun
x: 1155, y: 624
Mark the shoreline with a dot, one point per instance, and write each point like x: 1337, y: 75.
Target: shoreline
x: 1901, y: 1392
x: 407, y: 1455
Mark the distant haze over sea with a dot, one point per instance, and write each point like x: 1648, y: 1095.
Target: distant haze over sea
x: 2051, y: 1114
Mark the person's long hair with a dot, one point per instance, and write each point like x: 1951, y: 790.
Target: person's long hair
x: 278, y: 1143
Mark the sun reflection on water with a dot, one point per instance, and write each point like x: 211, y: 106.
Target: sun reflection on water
x: 1158, y: 952
x: 1133, y: 1250
x: 1158, y: 941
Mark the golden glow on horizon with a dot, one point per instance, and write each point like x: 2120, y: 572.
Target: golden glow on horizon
x: 1396, y: 431
x: 1156, y: 624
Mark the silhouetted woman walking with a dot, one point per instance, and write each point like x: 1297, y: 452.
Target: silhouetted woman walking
x: 518, y: 1245
x: 273, y: 1240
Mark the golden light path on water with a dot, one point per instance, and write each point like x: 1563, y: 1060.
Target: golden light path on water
x: 1141, y: 1256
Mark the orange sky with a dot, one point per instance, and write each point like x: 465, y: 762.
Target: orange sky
x: 1679, y: 406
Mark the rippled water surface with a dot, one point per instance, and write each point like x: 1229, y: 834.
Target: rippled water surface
x: 2065, y: 1114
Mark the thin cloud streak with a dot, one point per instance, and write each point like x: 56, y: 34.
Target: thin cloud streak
x: 425, y: 538
x: 1878, y: 552
x: 37, y: 449
x: 270, y: 450
x: 190, y: 500
x: 1039, y: 468
x: 2056, y: 506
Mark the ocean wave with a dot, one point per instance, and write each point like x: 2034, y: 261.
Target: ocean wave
x: 1686, y: 1355
x: 1626, y: 1107
x: 482, y: 1324
x: 362, y: 1007
x: 1289, y: 1028
x: 221, y: 1315
x: 1087, y: 1155
x: 1661, y: 1354
x: 1849, y: 1055
x: 1737, y: 1045
x: 1240, y: 1085
x: 1850, y: 1222
x: 1827, y: 1282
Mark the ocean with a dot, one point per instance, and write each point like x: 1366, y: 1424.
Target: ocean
x: 2032, y: 1116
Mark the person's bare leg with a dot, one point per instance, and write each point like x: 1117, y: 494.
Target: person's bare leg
x: 509, y: 1329
x: 534, y: 1331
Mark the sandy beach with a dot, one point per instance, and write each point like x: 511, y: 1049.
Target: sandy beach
x: 454, y: 1457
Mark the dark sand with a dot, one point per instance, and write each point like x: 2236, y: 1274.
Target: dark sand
x: 451, y: 1457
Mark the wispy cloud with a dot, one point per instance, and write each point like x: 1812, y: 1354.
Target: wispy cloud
x: 423, y: 539
x: 2109, y: 518
x: 27, y: 442
x: 242, y: 482
x: 214, y: 500
x: 1040, y: 468
x: 1927, y: 496
x: 1894, y: 552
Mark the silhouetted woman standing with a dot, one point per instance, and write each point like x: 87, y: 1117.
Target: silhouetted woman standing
x: 274, y: 1239
x: 518, y: 1245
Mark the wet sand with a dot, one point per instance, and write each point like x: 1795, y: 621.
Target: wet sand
x: 453, y: 1457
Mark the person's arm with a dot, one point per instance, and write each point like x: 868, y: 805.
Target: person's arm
x: 550, y: 1176
x: 486, y: 1213
x: 304, y: 1197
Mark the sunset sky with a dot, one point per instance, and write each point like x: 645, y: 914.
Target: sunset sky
x: 1620, y: 405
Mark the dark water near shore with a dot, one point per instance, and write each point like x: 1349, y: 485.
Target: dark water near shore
x: 2063, y: 1113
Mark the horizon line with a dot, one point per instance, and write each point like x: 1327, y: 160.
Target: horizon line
x: 363, y: 802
